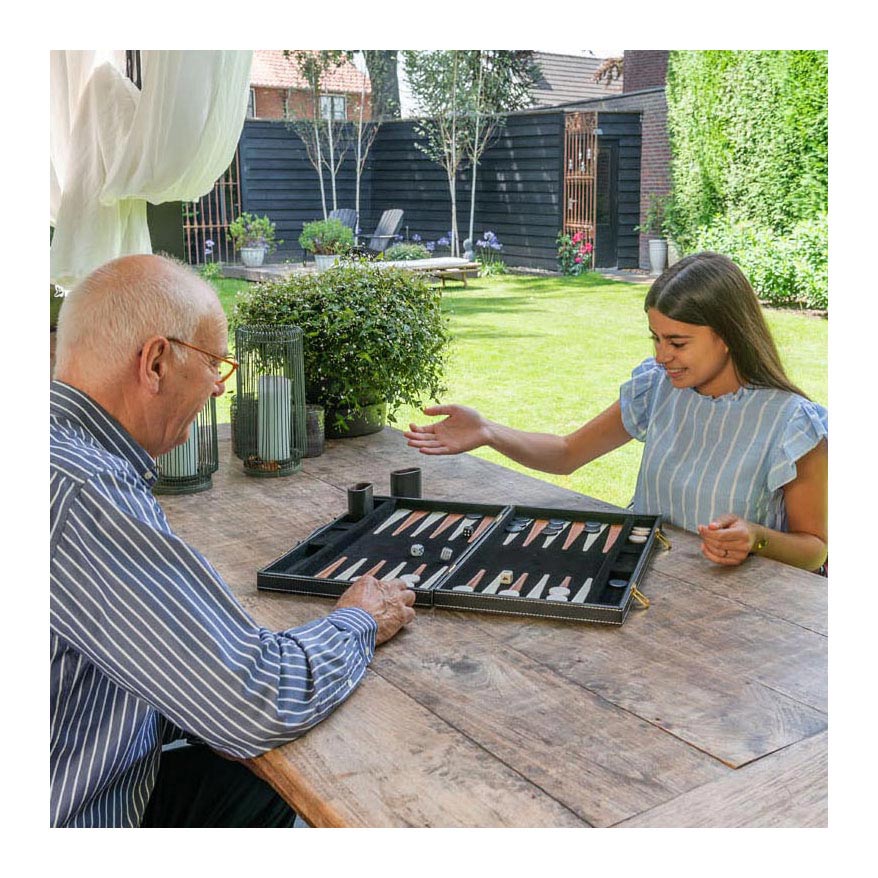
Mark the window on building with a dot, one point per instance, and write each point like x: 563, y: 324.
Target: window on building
x: 251, y: 104
x: 333, y: 107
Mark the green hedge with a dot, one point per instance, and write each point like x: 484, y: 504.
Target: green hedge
x: 749, y: 163
x: 785, y: 269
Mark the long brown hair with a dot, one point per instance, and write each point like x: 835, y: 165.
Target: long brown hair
x: 708, y: 289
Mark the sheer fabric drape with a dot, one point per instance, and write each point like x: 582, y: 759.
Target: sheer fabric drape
x: 114, y: 147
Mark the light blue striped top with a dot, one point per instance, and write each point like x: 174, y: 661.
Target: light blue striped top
x: 706, y: 456
x: 147, y: 640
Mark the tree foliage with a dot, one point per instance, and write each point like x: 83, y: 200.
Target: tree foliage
x: 463, y: 96
x: 749, y: 146
x: 749, y: 136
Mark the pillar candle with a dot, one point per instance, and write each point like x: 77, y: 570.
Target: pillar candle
x: 274, y: 418
x: 181, y: 462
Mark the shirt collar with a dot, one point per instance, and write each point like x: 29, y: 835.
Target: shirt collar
x: 71, y: 404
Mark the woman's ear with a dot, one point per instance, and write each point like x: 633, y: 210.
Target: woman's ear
x: 153, y: 362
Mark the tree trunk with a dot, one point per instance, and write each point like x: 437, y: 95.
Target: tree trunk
x: 384, y: 76
x: 331, y: 159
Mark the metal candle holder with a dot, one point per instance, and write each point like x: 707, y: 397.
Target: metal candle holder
x: 269, y: 412
x: 187, y: 468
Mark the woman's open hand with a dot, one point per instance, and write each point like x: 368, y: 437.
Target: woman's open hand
x: 462, y: 430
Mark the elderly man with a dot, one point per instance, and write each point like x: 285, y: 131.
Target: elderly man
x: 148, y: 644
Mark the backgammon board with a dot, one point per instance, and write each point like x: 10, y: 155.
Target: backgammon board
x: 494, y: 558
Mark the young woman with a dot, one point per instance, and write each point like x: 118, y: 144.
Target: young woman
x: 732, y: 449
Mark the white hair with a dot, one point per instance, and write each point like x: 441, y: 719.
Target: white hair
x: 105, y: 320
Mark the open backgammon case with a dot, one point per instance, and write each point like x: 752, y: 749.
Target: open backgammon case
x: 520, y: 560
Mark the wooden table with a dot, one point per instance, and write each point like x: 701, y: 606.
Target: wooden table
x: 707, y: 709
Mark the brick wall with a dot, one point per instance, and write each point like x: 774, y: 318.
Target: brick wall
x: 270, y: 104
x: 655, y: 163
x: 644, y: 69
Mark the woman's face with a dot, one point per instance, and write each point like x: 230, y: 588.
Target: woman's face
x: 693, y: 356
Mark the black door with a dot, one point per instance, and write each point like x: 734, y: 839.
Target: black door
x: 606, y: 204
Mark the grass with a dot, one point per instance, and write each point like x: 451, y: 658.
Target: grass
x: 548, y: 353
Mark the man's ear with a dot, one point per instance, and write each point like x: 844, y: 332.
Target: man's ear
x: 153, y: 363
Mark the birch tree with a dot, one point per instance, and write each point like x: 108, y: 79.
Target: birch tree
x: 500, y: 82
x: 314, y: 66
x: 438, y: 82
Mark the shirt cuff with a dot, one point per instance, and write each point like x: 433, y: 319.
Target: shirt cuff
x: 360, y: 624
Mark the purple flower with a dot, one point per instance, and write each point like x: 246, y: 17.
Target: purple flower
x: 430, y: 245
x: 444, y: 241
x: 416, y: 238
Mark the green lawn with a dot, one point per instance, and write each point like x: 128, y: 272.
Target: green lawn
x: 548, y: 353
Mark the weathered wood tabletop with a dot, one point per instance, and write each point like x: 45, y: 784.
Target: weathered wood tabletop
x: 709, y: 708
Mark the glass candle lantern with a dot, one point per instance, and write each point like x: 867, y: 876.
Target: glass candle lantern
x: 188, y: 468
x: 269, y: 414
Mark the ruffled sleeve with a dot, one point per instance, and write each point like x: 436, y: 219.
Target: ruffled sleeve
x: 637, y: 396
x: 806, y: 426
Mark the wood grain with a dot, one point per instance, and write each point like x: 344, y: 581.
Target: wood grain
x: 381, y: 760
x: 785, y: 789
x: 468, y: 719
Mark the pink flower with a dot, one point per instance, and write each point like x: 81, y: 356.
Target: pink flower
x: 588, y: 247
x: 577, y: 237
x: 577, y: 259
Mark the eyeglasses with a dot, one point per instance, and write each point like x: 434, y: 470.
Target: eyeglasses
x: 225, y: 366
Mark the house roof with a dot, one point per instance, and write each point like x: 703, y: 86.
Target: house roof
x: 567, y: 78
x: 272, y: 70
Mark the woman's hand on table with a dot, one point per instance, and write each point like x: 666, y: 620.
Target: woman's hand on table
x: 727, y: 540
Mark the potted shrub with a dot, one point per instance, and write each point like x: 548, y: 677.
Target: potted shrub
x: 374, y: 339
x: 654, y: 226
x: 328, y: 240
x: 253, y: 236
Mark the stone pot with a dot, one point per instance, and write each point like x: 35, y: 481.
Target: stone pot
x: 252, y: 257
x: 325, y: 260
x: 361, y: 421
x: 658, y: 256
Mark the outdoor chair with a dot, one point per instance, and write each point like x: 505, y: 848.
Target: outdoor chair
x: 385, y: 232
x: 347, y: 215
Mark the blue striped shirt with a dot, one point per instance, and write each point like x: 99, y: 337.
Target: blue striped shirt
x: 147, y: 641
x: 706, y: 456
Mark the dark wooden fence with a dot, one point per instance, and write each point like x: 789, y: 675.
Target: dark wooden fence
x: 518, y: 190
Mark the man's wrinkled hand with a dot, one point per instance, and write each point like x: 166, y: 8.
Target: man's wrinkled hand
x: 388, y: 602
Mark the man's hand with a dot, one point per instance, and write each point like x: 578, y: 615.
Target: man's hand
x: 388, y: 603
x: 463, y: 430
x: 727, y: 540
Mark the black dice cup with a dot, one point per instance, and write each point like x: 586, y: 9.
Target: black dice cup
x: 406, y: 482
x: 360, y: 502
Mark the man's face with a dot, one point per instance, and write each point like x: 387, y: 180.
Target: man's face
x: 193, y: 379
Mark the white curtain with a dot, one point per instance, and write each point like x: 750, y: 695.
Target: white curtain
x: 114, y: 147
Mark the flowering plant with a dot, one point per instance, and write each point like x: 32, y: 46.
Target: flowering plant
x: 487, y: 247
x: 574, y: 253
x: 248, y: 230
